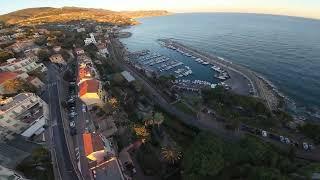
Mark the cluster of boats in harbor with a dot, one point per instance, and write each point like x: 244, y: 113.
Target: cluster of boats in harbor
x: 182, y: 72
x: 221, y: 74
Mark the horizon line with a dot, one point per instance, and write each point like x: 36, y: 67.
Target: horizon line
x: 180, y: 11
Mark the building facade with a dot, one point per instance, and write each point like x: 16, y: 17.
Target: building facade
x: 21, y: 114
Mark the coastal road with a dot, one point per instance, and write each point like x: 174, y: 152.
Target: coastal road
x: 63, y: 161
x: 157, y: 97
x: 203, y: 124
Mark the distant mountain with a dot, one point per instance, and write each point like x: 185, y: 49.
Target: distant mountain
x: 42, y: 15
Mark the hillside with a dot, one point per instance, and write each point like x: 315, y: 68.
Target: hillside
x: 139, y: 14
x: 33, y: 16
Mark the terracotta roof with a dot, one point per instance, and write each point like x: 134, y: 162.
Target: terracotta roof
x: 92, y: 143
x: 89, y: 86
x: 4, y: 76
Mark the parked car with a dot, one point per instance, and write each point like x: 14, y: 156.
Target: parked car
x: 72, y: 124
x: 264, y: 133
x: 305, y: 146
x: 287, y: 140
x: 282, y: 139
x: 73, y: 131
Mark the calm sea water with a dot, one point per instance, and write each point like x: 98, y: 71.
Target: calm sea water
x: 286, y: 50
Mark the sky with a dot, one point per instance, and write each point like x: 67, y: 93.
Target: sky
x: 302, y: 8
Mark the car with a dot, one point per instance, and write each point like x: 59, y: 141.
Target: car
x: 71, y: 100
x: 87, y: 121
x: 282, y: 139
x: 72, y: 108
x: 72, y: 124
x: 305, y: 146
x: 287, y: 140
x: 73, y: 113
x: 264, y: 133
x: 84, y: 108
x: 72, y: 83
x: 73, y: 131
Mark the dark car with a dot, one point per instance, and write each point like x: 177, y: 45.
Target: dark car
x: 73, y: 131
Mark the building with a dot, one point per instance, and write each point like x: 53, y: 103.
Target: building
x: 26, y: 64
x: 23, y: 114
x: 102, y: 49
x: 21, y: 46
x: 58, y: 59
x: 9, y: 174
x: 90, y: 40
x: 127, y: 76
x: 81, y: 30
x: 102, y: 161
x: 79, y: 51
x: 90, y: 92
x: 56, y: 48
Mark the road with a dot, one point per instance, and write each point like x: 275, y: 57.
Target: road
x: 158, y: 98
x: 56, y: 129
x: 203, y: 124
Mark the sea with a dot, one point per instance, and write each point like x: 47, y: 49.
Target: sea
x: 285, y: 50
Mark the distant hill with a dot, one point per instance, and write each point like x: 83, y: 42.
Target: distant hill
x: 42, y: 15
x: 139, y: 14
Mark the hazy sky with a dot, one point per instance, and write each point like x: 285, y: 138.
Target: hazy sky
x: 305, y: 8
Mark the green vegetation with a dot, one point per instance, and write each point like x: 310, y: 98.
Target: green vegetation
x: 41, y: 41
x: 184, y: 108
x: 38, y: 166
x: 4, y: 55
x: 180, y: 132
x: 311, y: 131
x: 43, y: 55
x: 246, y: 109
x: 211, y: 158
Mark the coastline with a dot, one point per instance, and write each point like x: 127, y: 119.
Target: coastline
x: 258, y: 85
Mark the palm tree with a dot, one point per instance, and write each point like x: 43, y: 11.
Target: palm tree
x: 171, y: 154
x: 158, y: 119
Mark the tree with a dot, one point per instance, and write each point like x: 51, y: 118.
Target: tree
x: 142, y: 132
x: 118, y: 79
x: 43, y: 55
x: 158, y: 118
x: 41, y: 41
x: 13, y: 85
x: 4, y: 55
x: 18, y: 85
x: 171, y: 154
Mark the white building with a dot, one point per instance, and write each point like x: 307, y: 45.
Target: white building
x: 81, y: 30
x: 9, y: 174
x: 127, y: 76
x: 24, y: 114
x: 26, y: 64
x: 90, y: 40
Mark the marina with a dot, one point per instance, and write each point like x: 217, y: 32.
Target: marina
x: 240, y: 79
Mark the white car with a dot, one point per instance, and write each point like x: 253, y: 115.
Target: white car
x: 287, y: 140
x: 264, y: 133
x: 305, y: 146
x: 72, y: 124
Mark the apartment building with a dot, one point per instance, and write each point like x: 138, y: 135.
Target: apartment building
x: 26, y: 64
x: 24, y: 114
x: 58, y: 59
